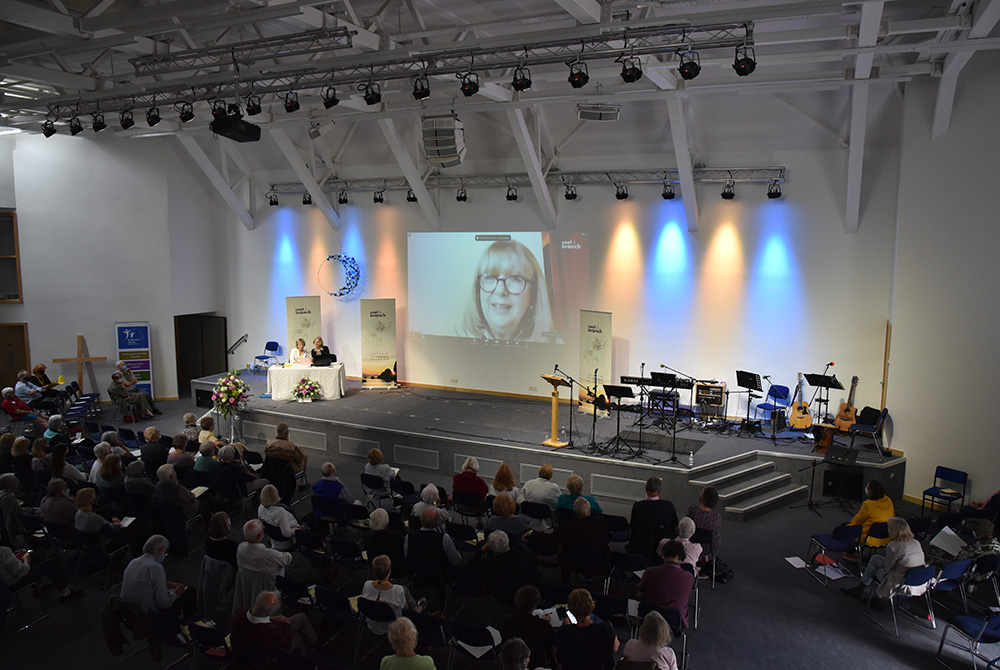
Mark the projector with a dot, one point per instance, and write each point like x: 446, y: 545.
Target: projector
x: 235, y: 128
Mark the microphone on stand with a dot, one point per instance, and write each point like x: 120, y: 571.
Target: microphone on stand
x: 830, y: 363
x: 662, y: 365
x: 555, y: 369
x: 766, y: 377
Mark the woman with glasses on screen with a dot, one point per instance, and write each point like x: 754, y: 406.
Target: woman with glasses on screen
x: 509, y: 299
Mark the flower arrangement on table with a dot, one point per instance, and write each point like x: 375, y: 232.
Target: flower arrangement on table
x: 230, y: 393
x: 307, y: 389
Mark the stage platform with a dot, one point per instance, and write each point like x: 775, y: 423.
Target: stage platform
x: 428, y: 433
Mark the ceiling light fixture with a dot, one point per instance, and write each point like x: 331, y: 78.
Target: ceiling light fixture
x: 98, y: 123
x: 291, y: 102
x: 411, y: 196
x: 218, y: 109
x: 125, y: 119
x: 378, y: 198
x: 773, y: 190
x: 728, y: 192
x: 470, y: 83
x: 570, y: 193
x: 621, y: 191
x: 372, y: 92
x: 522, y: 79
x: 48, y: 128
x: 307, y: 199
x: 421, y: 86
x: 342, y: 198
x: 253, y: 104
x: 631, y: 70
x: 744, y: 62
x: 461, y: 195
x: 578, y: 76
x: 330, y: 98
x: 668, y: 191
x: 75, y: 127
x: 511, y: 194
x: 152, y: 116
x: 272, y: 199
x: 690, y: 66
x: 186, y: 112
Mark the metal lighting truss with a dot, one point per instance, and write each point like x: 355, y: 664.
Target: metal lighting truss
x: 588, y: 44
x: 752, y: 175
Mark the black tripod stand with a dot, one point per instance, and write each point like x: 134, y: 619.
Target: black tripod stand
x: 617, y: 443
x: 751, y: 382
x: 812, y: 506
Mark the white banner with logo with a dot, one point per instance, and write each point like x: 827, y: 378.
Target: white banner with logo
x: 302, y: 320
x: 378, y: 342
x: 595, y: 357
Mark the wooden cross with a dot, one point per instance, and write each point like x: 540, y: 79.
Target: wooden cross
x: 80, y: 360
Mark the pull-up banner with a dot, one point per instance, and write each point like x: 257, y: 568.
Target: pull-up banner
x: 595, y: 358
x: 302, y: 320
x: 134, y: 348
x: 378, y: 342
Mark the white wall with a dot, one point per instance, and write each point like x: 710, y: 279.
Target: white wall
x: 944, y: 350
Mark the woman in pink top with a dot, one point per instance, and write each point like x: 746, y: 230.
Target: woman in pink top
x: 654, y: 636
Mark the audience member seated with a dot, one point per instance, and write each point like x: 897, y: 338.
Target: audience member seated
x: 705, y: 517
x: 255, y: 556
x: 111, y: 473
x: 89, y: 521
x: 6, y: 444
x: 575, y: 487
x: 191, y: 429
x: 503, y: 483
x: 984, y: 545
x: 131, y: 385
x: 145, y: 582
x: 39, y: 378
x: 207, y: 460
x: 17, y: 572
x: 272, y: 511
x: 885, y: 572
x: 57, y: 431
x: 542, y: 490
x: 124, y: 397
x: 284, y: 449
x: 515, y: 525
x: 261, y: 628
x: 692, y: 550
x: 57, y: 506
x: 381, y: 589
x: 207, y: 424
x: 178, y: 456
x: 654, y: 636
x: 20, y: 454
x: 39, y: 455
x: 152, y: 453
x: 101, y: 451
x: 669, y: 585
x: 652, y: 520
x: 988, y: 510
x: 585, y: 644
x: 31, y: 393
x: 21, y: 411
x: 504, y: 564
x: 58, y: 467
x: 430, y: 550
x: 877, y: 508
x: 515, y: 655
x: 469, y: 481
x: 219, y: 544
x: 168, y: 490
x: 385, y: 540
x: 586, y: 530
x: 11, y: 528
x: 430, y: 498
x: 237, y: 472
x: 376, y: 465
x: 136, y: 481
x: 330, y: 486
x: 403, y: 640
x: 536, y: 631
x: 116, y: 444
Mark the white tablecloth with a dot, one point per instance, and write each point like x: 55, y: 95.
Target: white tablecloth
x: 281, y: 381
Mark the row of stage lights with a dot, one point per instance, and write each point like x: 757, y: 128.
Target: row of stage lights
x: 744, y: 63
x: 621, y: 193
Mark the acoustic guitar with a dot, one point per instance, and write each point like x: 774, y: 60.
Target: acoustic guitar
x: 799, y: 418
x: 848, y: 414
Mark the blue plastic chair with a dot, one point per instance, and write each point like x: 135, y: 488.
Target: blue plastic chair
x: 777, y: 398
x: 915, y: 577
x: 952, y: 578
x: 870, y: 429
x: 843, y: 539
x: 976, y: 631
x: 270, y: 354
x: 949, y: 476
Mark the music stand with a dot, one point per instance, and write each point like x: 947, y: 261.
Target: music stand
x: 824, y: 383
x: 617, y: 442
x: 751, y: 382
x: 665, y: 381
x: 556, y: 382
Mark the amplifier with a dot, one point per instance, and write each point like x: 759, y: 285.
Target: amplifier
x: 709, y: 394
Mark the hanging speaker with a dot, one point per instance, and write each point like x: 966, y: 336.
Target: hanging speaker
x: 444, y: 140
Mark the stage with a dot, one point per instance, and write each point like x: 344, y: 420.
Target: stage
x: 428, y: 433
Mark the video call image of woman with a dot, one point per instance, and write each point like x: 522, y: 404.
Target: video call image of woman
x: 509, y: 299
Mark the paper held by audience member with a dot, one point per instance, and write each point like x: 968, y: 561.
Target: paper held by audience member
x: 948, y: 541
x: 795, y: 561
x: 198, y: 490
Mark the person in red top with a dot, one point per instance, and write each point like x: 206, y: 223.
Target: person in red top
x: 668, y: 586
x: 21, y: 411
x: 260, y: 627
x: 469, y: 481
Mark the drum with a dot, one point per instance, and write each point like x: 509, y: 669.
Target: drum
x: 822, y: 436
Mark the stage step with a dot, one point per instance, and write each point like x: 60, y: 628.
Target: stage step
x: 705, y: 472
x: 732, y: 494
x: 733, y: 474
x: 762, y: 503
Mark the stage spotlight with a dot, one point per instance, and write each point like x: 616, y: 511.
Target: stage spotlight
x: 342, y: 198
x: 461, y: 195
x: 307, y: 199
x: 186, y: 112
x: 235, y: 111
x: 511, y: 194
x: 470, y: 83
x: 75, y: 127
x: 125, y: 119
x: 218, y: 109
x: 152, y: 116
x: 744, y: 62
x: 48, y: 128
x: 411, y: 196
x: 291, y: 102
x: 631, y: 70
x: 372, y: 92
x: 378, y: 198
x: 690, y: 66
x: 253, y: 104
x: 727, y: 191
x: 272, y: 199
x: 330, y: 98
x: 522, y: 79
x: 421, y: 87
x: 773, y: 190
x: 570, y: 193
x: 668, y: 192
x: 621, y: 192
x: 578, y: 76
x: 99, y: 124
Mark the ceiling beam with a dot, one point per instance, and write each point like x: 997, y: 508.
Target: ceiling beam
x: 99, y: 9
x: 217, y: 180
x: 685, y: 170
x: 871, y: 19
x: 584, y: 11
x: 36, y: 18
x: 533, y: 166
x: 410, y: 171
x: 44, y: 75
x: 319, y: 198
x: 826, y: 129
x: 856, y: 155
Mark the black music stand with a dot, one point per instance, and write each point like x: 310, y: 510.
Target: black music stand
x: 751, y: 382
x: 618, y: 442
x: 824, y: 383
x: 665, y: 381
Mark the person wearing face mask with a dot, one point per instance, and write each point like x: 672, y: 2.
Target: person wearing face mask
x: 145, y: 582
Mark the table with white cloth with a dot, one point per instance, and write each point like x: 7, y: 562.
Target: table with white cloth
x: 281, y: 381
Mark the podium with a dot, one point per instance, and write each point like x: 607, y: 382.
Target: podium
x: 556, y: 382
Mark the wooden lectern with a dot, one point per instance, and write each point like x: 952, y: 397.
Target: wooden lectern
x: 556, y: 382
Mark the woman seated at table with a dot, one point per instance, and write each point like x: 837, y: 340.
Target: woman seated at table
x: 299, y: 353
x: 319, y: 349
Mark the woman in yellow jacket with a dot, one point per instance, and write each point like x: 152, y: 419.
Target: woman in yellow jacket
x: 877, y: 508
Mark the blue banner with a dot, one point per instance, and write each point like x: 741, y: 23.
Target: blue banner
x: 134, y: 348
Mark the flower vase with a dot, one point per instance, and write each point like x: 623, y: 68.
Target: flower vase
x: 305, y: 399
